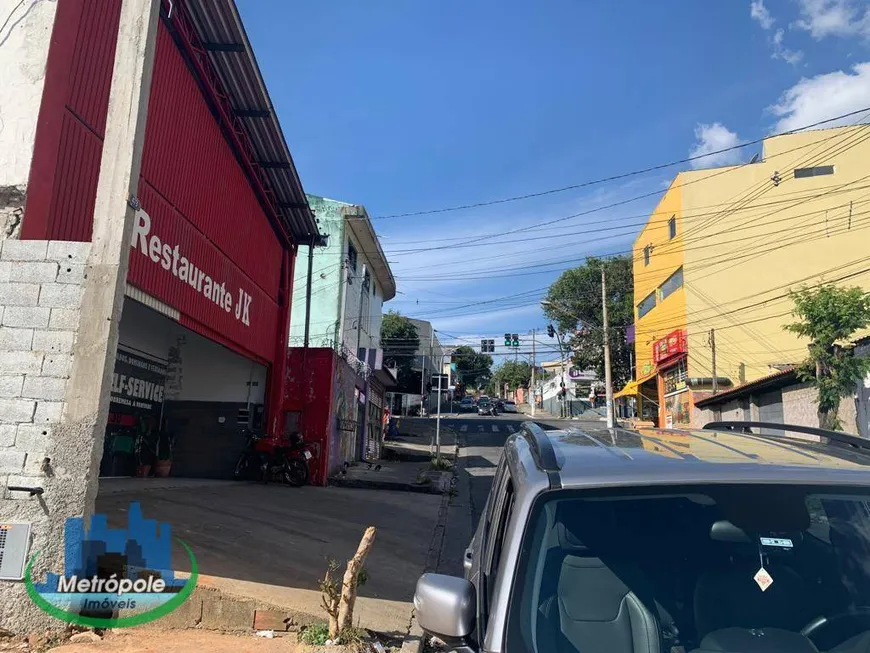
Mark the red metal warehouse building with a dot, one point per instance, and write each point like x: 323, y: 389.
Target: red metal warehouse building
x: 208, y: 294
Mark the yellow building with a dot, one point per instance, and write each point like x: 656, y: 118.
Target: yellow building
x: 717, y: 258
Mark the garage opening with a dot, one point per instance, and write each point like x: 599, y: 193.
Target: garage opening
x: 179, y: 401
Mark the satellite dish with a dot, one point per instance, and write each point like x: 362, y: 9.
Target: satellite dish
x: 754, y: 158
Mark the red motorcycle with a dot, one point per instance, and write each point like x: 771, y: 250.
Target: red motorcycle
x: 268, y: 458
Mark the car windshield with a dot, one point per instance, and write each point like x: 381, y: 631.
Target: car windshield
x: 710, y: 568
x: 484, y: 401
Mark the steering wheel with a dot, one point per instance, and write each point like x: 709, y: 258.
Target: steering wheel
x: 823, y: 623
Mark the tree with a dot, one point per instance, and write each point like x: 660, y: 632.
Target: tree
x: 400, y: 341
x: 515, y: 374
x: 474, y: 369
x: 573, y: 302
x: 338, y: 600
x: 829, y: 316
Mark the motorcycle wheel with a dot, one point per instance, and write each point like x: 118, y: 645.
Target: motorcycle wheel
x: 296, y: 472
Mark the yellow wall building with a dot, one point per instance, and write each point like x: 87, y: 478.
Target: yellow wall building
x: 740, y: 237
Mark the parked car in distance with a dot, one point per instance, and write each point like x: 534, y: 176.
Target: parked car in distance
x: 485, y: 406
x: 655, y: 541
x: 466, y: 405
x: 509, y: 406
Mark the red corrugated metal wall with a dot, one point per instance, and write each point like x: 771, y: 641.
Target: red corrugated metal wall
x: 72, y: 121
x: 188, y: 161
x: 192, y: 187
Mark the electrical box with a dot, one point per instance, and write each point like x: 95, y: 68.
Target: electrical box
x: 14, y: 546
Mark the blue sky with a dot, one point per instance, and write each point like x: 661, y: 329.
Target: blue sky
x: 410, y: 106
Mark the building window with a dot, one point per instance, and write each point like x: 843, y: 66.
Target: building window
x: 351, y: 256
x: 671, y: 284
x: 672, y: 227
x: 646, y: 254
x: 648, y: 303
x: 374, y: 289
x: 817, y: 171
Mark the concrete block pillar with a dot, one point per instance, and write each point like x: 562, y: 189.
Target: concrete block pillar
x: 59, y: 413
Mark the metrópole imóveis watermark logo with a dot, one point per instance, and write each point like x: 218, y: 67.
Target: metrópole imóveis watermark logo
x: 114, y: 578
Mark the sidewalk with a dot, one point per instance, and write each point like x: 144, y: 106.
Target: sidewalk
x: 406, y: 461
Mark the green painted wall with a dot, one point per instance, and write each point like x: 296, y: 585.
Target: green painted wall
x: 327, y: 281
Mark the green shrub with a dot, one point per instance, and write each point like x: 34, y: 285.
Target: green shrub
x: 315, y: 634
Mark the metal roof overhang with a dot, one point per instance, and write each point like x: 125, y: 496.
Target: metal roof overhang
x: 223, y: 41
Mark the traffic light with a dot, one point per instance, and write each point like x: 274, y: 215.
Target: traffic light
x: 491, y: 346
x: 516, y: 340
x: 487, y: 346
x: 507, y: 340
x: 551, y: 331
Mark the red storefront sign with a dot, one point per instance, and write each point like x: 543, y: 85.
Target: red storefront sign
x: 173, y: 261
x: 671, y: 345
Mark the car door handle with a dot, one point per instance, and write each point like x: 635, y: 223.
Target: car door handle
x: 468, y: 559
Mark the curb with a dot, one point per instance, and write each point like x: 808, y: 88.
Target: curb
x: 385, y: 485
x: 415, y: 640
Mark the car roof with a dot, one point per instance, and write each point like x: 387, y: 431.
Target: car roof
x: 595, y: 456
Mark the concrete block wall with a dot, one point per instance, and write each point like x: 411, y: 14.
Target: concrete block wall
x: 800, y: 406
x: 41, y: 285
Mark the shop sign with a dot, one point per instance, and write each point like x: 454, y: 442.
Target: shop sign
x: 647, y: 369
x: 168, y: 256
x: 135, y: 408
x: 137, y: 385
x: 671, y: 345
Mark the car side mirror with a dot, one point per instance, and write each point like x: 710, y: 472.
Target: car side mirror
x: 446, y: 608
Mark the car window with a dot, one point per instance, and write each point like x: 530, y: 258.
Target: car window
x: 703, y: 563
x: 501, y: 516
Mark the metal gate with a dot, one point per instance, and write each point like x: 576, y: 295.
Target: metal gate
x: 770, y: 410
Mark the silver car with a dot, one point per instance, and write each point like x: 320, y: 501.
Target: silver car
x: 742, y: 537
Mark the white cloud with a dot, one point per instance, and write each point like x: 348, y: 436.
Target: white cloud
x: 760, y: 13
x: 842, y: 18
x: 709, y: 140
x: 781, y: 52
x: 824, y: 96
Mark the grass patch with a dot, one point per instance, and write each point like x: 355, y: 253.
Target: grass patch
x: 315, y: 634
x: 445, y: 465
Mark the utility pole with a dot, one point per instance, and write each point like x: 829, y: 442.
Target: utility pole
x: 534, y: 393
x: 362, y: 291
x: 423, y: 366
x: 713, y: 348
x: 438, y: 419
x: 608, y: 383
x: 563, y: 405
x: 308, y: 291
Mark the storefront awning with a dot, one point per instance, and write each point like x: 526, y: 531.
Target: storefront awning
x: 632, y: 388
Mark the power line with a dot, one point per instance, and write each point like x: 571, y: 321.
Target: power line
x: 617, y: 177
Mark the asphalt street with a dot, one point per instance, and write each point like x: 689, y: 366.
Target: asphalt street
x: 482, y: 439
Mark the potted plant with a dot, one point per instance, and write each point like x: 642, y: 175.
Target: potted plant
x: 163, y: 466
